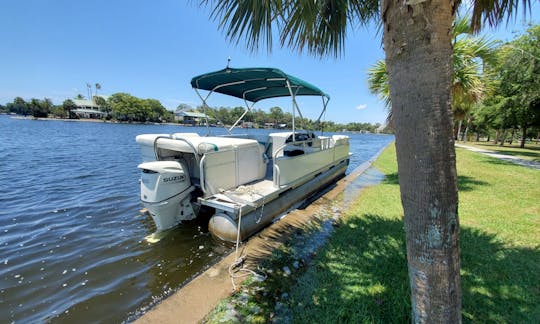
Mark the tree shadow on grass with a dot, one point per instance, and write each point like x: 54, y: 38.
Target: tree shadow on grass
x: 511, y: 163
x: 465, y: 183
x: 499, y: 283
x: 361, y: 276
x: 534, y: 155
x: 391, y: 178
x: 516, y: 152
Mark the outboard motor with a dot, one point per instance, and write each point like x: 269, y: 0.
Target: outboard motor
x: 166, y: 192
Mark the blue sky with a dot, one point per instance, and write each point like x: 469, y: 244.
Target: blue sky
x: 152, y: 49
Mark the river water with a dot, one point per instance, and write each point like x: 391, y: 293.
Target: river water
x: 72, y: 245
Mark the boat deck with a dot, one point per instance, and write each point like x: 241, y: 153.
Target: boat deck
x: 246, y: 197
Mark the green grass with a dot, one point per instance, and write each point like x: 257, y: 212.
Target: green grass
x: 530, y: 152
x: 360, y: 274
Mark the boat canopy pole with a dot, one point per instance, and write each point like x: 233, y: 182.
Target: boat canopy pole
x: 248, y: 109
x: 205, y: 114
x: 212, y: 91
x: 295, y: 107
x: 298, y: 107
x: 325, y: 104
x: 293, y: 100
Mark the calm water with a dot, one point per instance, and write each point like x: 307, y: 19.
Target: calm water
x: 71, y: 233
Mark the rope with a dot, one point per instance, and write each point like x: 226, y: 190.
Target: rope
x: 239, y: 261
x: 262, y: 210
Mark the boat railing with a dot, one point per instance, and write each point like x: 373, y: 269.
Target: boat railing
x: 156, y: 151
x: 202, y: 177
x: 277, y: 176
x: 312, y: 143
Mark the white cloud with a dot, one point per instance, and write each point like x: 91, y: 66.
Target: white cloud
x: 361, y: 107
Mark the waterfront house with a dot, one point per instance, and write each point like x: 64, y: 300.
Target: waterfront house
x: 88, y: 108
x: 190, y: 117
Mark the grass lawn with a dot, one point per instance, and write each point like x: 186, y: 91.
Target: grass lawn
x: 360, y: 274
x: 530, y: 152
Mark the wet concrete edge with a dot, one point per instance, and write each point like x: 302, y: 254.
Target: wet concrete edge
x: 197, y: 298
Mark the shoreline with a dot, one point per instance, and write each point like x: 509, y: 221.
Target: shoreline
x: 90, y: 120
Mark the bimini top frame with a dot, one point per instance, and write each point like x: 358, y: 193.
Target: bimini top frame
x: 255, y: 84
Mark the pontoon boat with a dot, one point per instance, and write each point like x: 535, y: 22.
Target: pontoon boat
x: 246, y: 181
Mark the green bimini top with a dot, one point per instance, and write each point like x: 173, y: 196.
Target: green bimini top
x: 254, y: 84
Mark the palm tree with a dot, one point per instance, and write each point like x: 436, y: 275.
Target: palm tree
x: 378, y: 84
x: 418, y: 46
x: 98, y: 87
x: 469, y: 79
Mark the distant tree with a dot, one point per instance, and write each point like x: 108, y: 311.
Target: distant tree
x: 40, y: 108
x: 125, y: 107
x: 58, y: 111
x: 168, y: 116
x: 259, y: 116
x: 520, y: 80
x: 102, y: 104
x: 183, y: 107
x: 222, y: 115
x: 235, y: 113
x: 156, y: 110
x: 19, y: 107
x: 276, y: 115
x: 68, y: 105
x: 80, y: 97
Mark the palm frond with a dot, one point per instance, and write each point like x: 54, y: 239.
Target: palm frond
x: 320, y: 27
x: 461, y: 26
x: 378, y: 81
x: 249, y: 19
x: 493, y: 12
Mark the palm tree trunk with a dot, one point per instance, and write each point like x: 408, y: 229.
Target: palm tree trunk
x: 418, y: 50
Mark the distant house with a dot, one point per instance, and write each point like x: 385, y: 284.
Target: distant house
x: 88, y: 108
x: 190, y: 117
